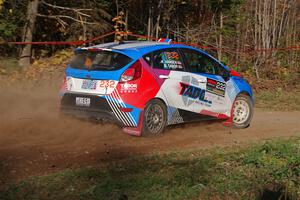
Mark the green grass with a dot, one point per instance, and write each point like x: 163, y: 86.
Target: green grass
x: 279, y: 100
x: 266, y: 169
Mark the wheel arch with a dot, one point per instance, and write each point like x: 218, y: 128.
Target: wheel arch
x: 158, y: 98
x: 247, y: 93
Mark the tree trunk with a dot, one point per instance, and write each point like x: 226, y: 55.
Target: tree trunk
x: 220, y: 34
x: 25, y: 56
x: 149, y: 23
x: 157, y: 27
x: 117, y: 5
x: 126, y: 25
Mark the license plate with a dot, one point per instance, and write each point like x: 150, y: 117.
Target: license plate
x: 82, y: 101
x: 89, y: 84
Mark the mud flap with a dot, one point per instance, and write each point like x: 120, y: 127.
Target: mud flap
x: 135, y: 131
x: 228, y: 122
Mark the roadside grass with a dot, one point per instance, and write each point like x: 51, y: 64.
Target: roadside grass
x: 259, y: 171
x: 8, y: 65
x: 279, y: 100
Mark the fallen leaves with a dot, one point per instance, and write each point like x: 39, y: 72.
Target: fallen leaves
x: 41, y: 70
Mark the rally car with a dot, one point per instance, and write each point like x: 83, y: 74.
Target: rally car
x: 146, y: 86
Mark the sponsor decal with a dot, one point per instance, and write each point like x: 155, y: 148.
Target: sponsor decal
x: 187, y: 100
x: 172, y: 64
x: 128, y: 87
x: 89, y: 84
x: 193, y: 92
x: 215, y: 87
x: 69, y: 83
x: 218, y: 100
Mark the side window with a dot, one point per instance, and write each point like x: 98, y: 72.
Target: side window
x: 148, y: 58
x: 193, y: 59
x: 201, y: 63
x: 168, y: 59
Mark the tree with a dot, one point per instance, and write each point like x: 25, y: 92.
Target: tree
x: 240, y: 30
x: 64, y: 16
x: 32, y: 10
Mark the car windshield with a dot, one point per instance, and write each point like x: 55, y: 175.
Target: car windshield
x: 99, y: 60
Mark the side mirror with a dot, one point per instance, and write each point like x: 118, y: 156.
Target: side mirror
x: 226, y: 75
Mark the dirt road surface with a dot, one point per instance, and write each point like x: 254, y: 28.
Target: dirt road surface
x: 35, y: 140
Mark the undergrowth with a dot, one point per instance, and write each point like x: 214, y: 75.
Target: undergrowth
x: 267, y: 171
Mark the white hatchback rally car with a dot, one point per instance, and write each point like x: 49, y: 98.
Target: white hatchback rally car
x: 145, y: 86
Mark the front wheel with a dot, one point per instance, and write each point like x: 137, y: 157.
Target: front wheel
x: 242, y: 111
x: 155, y: 118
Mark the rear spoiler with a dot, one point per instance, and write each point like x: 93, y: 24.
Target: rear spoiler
x: 91, y: 49
x: 166, y: 40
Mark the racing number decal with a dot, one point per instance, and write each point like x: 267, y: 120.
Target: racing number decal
x: 171, y: 60
x: 107, y: 84
x: 221, y: 86
x: 172, y: 55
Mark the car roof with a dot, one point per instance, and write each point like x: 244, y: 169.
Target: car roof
x: 135, y: 49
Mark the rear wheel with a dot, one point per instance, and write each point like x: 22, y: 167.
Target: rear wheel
x: 155, y: 118
x: 242, y: 111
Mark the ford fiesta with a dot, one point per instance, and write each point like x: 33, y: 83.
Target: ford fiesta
x: 146, y: 86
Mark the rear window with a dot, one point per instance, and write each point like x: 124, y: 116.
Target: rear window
x: 99, y: 60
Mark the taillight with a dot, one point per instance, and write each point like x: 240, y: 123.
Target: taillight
x: 132, y: 73
x: 64, y: 85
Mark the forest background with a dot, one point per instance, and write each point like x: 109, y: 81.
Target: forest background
x: 260, y: 39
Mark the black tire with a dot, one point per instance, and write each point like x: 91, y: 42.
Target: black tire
x: 155, y: 118
x: 242, y: 111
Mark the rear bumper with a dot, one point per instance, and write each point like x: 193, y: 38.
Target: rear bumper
x: 98, y: 109
x: 94, y: 114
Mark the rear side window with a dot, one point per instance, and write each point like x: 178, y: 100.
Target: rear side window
x: 99, y: 60
x: 168, y: 59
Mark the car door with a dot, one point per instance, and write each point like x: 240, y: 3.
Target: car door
x: 210, y: 76
x: 169, y: 69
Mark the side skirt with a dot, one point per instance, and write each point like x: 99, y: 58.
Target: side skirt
x: 177, y: 116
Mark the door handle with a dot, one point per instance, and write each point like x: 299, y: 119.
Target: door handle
x: 164, y: 76
x: 201, y: 81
